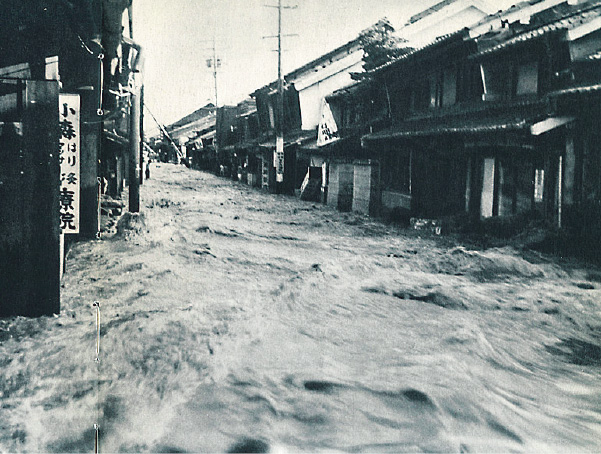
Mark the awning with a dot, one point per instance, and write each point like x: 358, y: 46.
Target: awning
x: 548, y: 124
x: 433, y: 127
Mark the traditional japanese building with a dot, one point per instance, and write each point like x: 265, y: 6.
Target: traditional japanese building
x: 448, y: 16
x: 193, y: 136
x: 488, y: 125
x: 304, y: 103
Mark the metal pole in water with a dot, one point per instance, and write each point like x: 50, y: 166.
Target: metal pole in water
x: 97, y: 361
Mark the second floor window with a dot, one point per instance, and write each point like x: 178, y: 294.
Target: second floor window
x: 527, y: 79
x: 506, y: 79
x: 449, y: 87
x: 438, y: 89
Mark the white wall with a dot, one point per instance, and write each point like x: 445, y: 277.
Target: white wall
x: 315, y: 84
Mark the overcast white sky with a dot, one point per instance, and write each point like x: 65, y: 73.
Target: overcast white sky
x: 177, y: 36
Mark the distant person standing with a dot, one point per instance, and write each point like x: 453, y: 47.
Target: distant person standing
x: 147, y: 171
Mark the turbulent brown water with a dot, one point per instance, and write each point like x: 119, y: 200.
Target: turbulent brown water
x: 234, y: 320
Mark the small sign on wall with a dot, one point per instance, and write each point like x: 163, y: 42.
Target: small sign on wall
x: 278, y: 159
x: 69, y: 158
x: 539, y: 184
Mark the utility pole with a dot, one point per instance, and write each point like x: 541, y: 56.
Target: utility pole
x: 215, y: 63
x: 135, y: 138
x: 279, y: 137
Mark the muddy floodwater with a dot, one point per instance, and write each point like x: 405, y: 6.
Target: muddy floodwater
x: 236, y: 320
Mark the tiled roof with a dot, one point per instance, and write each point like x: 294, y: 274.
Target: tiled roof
x: 295, y: 137
x: 429, y: 11
x: 247, y: 107
x: 347, y: 47
x: 458, y: 124
x: 343, y: 92
x: 560, y: 20
x: 576, y: 90
x: 204, y: 111
x: 440, y: 39
x: 594, y: 56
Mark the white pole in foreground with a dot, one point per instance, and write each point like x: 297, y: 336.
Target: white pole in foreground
x: 279, y: 141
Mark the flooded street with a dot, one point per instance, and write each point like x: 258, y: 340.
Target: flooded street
x: 237, y: 320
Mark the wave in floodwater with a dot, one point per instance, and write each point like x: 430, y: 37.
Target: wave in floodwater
x: 289, y: 328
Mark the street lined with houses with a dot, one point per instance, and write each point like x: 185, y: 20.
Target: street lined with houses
x: 393, y: 247
x: 232, y: 318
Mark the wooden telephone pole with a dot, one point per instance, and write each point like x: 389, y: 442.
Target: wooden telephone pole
x: 279, y: 137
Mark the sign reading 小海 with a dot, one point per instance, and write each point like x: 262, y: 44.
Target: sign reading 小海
x: 69, y: 158
x: 328, y: 129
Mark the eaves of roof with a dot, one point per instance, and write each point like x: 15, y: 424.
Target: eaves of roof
x: 323, y: 58
x: 438, y: 41
x: 565, y: 23
x: 474, y: 123
x: 587, y: 89
x: 293, y: 138
x: 595, y: 56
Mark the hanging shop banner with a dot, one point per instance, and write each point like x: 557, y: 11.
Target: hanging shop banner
x: 278, y: 159
x: 69, y: 158
x: 328, y: 129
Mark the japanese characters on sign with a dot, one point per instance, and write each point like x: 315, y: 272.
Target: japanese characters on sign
x: 539, y: 185
x: 328, y: 129
x: 69, y: 156
x: 278, y: 159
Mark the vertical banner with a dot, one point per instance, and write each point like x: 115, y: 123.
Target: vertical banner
x: 327, y: 132
x: 278, y: 159
x: 539, y: 184
x: 69, y: 158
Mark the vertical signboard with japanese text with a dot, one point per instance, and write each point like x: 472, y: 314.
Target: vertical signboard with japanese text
x: 69, y: 158
x: 278, y: 159
x: 327, y: 132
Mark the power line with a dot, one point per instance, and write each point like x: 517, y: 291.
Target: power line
x: 164, y: 131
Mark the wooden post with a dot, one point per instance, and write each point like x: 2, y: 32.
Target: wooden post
x: 134, y: 152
